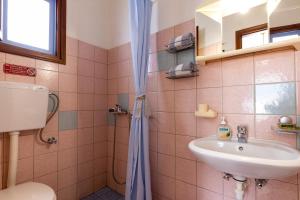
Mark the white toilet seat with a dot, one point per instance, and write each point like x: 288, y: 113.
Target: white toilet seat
x: 28, y: 191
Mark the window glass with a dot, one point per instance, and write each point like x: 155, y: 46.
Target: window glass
x: 30, y: 24
x: 277, y: 37
x: 34, y: 28
x: 255, y: 39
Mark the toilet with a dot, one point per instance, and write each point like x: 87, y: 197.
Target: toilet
x: 28, y: 191
x: 30, y: 105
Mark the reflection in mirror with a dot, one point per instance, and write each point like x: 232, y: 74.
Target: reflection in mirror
x: 245, y: 29
x: 285, y: 20
x: 226, y: 25
x: 209, y: 29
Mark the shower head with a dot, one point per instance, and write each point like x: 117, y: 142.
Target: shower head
x: 118, y: 110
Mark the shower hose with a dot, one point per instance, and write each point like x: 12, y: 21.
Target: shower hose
x: 51, y: 140
x: 114, y: 148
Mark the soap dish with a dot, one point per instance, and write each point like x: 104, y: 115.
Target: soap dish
x: 205, y: 112
x: 285, y: 130
x: 206, y: 115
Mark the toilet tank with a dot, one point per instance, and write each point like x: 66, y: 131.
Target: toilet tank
x: 22, y: 106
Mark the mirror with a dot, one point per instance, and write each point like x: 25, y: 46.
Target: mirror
x: 209, y: 33
x: 227, y: 25
x: 285, y: 21
x: 244, y: 29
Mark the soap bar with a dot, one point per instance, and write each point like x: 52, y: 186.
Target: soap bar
x: 292, y: 126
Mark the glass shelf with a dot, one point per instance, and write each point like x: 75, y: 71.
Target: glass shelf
x: 292, y: 43
x: 192, y: 74
x: 285, y: 130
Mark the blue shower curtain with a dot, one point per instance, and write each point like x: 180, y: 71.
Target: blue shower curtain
x: 138, y: 183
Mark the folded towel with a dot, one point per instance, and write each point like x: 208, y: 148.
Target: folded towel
x: 182, y: 69
x: 180, y: 73
x: 181, y: 42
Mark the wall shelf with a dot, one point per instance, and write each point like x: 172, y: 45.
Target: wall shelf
x: 293, y: 44
x: 191, y: 73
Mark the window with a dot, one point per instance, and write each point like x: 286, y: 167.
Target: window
x: 255, y: 39
x: 282, y: 33
x: 34, y: 28
x: 252, y: 37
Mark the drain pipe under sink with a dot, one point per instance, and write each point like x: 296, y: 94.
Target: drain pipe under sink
x: 240, y: 187
x: 13, y: 158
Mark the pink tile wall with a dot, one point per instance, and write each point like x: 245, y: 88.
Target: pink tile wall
x: 228, y: 86
x: 76, y: 166
x: 90, y: 82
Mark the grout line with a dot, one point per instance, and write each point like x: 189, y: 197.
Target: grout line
x: 196, y: 135
x: 222, y: 110
x: 296, y: 97
x: 254, y: 98
x: 77, y: 109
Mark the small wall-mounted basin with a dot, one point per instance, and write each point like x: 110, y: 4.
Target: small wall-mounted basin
x: 259, y: 159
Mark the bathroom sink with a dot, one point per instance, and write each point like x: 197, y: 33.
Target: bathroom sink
x: 261, y: 159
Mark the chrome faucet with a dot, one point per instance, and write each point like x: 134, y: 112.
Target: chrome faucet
x: 242, y: 134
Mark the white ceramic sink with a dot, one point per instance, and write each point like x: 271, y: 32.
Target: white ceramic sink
x: 260, y: 159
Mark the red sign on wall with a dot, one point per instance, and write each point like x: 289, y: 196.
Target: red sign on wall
x: 19, y: 70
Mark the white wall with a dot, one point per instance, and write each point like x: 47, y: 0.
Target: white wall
x: 105, y: 23
x: 88, y: 20
x: 286, y: 13
x: 166, y: 13
x: 119, y: 22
